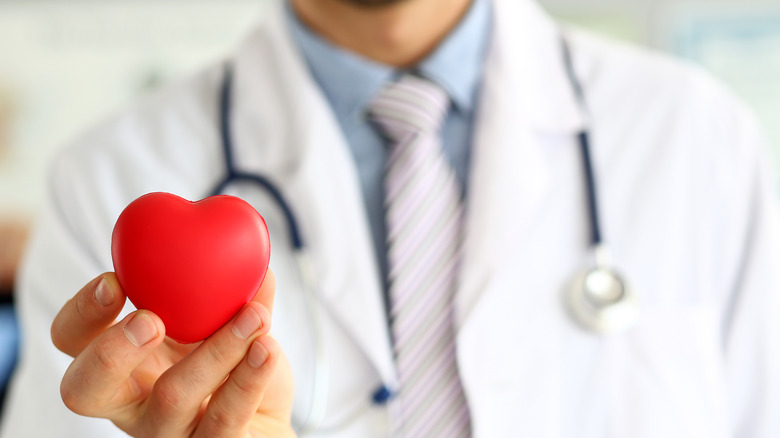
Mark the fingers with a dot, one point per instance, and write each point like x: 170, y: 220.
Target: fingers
x: 234, y: 404
x: 100, y: 382
x: 97, y: 382
x: 265, y: 295
x: 179, y: 393
x: 93, y: 309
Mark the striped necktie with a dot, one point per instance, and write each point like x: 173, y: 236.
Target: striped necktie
x: 423, y: 214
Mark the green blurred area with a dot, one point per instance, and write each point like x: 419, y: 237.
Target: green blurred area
x: 738, y: 41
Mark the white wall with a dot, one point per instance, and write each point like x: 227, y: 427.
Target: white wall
x: 66, y: 63
x: 736, y: 40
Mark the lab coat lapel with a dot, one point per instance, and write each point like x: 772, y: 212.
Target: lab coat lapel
x: 303, y: 150
x: 525, y: 97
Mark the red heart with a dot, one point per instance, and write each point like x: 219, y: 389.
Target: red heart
x: 194, y: 264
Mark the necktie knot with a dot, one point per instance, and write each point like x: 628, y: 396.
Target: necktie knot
x: 409, y: 106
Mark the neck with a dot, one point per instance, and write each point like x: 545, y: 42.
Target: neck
x: 399, y: 34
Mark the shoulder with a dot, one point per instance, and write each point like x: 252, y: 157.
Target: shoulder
x: 677, y: 146
x: 165, y: 132
x: 154, y: 121
x: 664, y: 97
x: 629, y: 73
x: 165, y: 141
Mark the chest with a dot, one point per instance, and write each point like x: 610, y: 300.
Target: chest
x: 530, y: 368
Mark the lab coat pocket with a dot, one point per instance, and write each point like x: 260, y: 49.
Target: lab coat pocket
x: 665, y: 376
x: 511, y: 361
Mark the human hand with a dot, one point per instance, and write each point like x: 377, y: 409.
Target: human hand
x: 236, y: 383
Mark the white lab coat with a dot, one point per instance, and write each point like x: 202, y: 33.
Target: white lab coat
x: 686, y: 205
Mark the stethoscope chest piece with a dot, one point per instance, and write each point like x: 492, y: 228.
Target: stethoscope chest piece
x: 601, y: 301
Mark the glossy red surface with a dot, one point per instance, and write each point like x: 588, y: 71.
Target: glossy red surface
x: 194, y: 264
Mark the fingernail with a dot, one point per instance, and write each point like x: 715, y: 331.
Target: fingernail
x: 246, y: 323
x: 103, y: 293
x: 257, y: 355
x: 140, y: 330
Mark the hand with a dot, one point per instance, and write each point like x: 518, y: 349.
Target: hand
x: 236, y: 383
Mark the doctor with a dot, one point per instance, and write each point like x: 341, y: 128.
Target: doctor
x: 684, y: 195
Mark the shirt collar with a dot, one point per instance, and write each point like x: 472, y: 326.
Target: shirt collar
x: 456, y: 65
x: 350, y: 81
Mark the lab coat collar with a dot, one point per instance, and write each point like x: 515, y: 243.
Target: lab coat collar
x: 285, y: 129
x: 526, y: 100
x: 526, y: 54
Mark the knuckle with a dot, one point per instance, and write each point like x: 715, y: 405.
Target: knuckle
x: 81, y: 307
x: 219, y: 352
x: 58, y: 330
x: 56, y: 336
x: 168, y: 398
x: 72, y: 396
x: 224, y: 419
x: 245, y: 388
x: 105, y: 356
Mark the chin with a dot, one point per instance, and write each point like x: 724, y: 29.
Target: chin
x: 372, y: 3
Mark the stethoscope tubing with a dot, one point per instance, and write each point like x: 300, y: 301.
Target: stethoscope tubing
x: 318, y: 405
x: 233, y: 175
x: 317, y: 409
x: 583, y: 139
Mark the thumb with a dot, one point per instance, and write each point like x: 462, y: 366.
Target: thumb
x: 265, y: 295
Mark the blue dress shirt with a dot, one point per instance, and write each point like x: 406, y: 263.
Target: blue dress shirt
x: 350, y: 81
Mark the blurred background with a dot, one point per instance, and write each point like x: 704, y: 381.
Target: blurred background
x: 65, y: 64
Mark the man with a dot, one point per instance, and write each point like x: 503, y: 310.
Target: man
x: 447, y: 121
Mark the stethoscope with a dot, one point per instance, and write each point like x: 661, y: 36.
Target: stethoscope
x: 598, y: 297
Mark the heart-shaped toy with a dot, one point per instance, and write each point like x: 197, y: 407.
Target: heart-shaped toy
x: 194, y: 264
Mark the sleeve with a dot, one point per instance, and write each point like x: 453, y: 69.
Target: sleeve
x: 164, y: 142
x: 66, y: 251
x: 751, y: 309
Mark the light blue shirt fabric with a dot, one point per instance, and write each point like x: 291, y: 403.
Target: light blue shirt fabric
x: 350, y: 81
